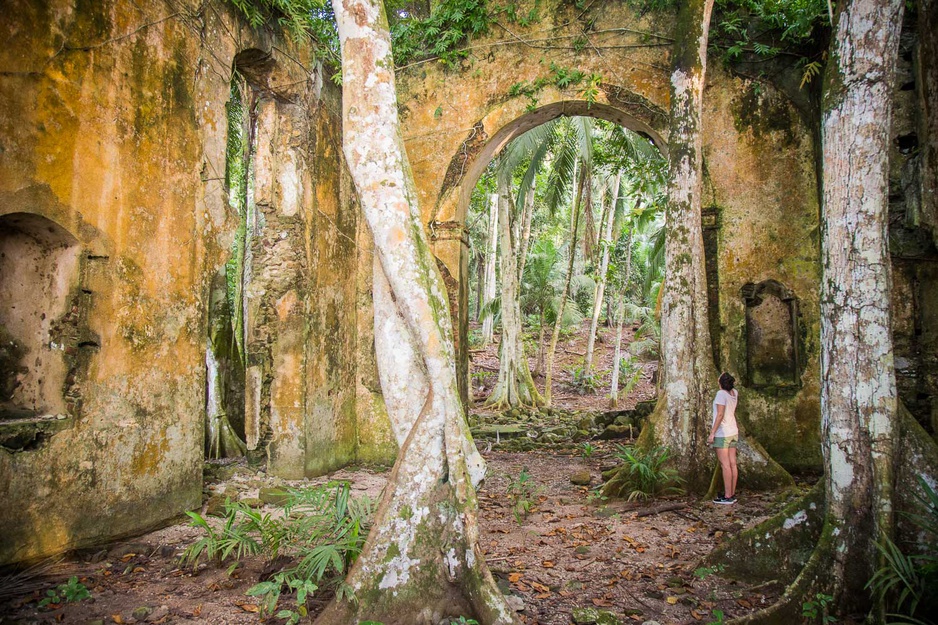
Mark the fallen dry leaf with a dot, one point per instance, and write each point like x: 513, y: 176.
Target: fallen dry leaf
x: 117, y: 618
x: 671, y: 600
x: 514, y: 577
x: 601, y: 603
x: 540, y: 587
x: 250, y: 607
x: 548, y: 564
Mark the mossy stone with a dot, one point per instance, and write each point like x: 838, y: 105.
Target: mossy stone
x: 274, y: 496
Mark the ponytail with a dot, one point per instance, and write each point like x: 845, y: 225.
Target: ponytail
x: 727, y: 381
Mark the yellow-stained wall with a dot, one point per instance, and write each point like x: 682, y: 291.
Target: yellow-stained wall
x: 113, y: 125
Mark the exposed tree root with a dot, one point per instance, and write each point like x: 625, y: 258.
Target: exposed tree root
x: 797, y: 545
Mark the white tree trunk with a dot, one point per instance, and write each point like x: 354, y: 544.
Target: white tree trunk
x: 687, y: 370
x: 421, y: 561
x: 620, y: 320
x: 491, y: 251
x: 558, y: 324
x: 526, y: 230
x: 858, y: 387
x: 600, y: 293
x: 515, y: 387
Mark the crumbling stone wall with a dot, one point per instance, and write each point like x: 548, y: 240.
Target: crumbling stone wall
x: 113, y: 126
x: 762, y: 183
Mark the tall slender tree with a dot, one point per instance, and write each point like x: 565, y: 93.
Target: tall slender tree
x: 490, y: 287
x: 575, y: 157
x: 422, y: 560
x: 515, y: 387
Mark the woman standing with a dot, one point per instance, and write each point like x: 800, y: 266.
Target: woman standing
x: 724, y: 434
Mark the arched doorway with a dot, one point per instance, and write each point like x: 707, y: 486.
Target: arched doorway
x: 450, y: 237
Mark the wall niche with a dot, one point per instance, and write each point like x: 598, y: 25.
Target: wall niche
x: 773, y: 353
x: 42, y: 333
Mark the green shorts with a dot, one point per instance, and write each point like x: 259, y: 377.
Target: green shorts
x: 725, y: 442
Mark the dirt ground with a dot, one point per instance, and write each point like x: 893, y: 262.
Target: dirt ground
x: 570, y: 550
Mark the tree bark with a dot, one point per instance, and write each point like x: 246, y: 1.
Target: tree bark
x: 480, y: 267
x: 491, y: 251
x: 682, y: 417
x: 422, y: 561
x: 600, y: 293
x: 688, y: 374
x: 515, y: 387
x: 858, y: 387
x: 620, y: 320
x: 526, y: 230
x: 221, y: 441
x: 558, y: 323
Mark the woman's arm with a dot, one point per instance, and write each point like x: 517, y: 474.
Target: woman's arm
x: 721, y: 410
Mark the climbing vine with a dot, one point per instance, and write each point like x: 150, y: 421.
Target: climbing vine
x: 300, y: 19
x: 562, y: 78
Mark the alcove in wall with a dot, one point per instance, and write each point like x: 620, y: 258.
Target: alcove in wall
x: 42, y: 334
x: 773, y: 350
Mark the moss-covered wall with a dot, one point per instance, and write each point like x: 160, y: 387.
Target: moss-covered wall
x: 113, y: 125
x: 761, y: 179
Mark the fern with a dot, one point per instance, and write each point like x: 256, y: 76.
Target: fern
x: 907, y: 581
x: 645, y: 474
x: 322, y: 528
x: 811, y: 70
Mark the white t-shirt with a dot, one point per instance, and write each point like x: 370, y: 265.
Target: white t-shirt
x: 728, y: 426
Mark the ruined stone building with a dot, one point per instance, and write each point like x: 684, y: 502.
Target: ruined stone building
x: 153, y: 154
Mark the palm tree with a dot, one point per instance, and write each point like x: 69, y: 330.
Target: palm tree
x: 572, y: 165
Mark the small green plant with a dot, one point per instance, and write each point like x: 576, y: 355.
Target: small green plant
x: 813, y: 609
x: 475, y: 338
x: 584, y: 381
x: 630, y: 371
x: 718, y: 618
x: 906, y: 580
x: 645, y: 474
x: 523, y: 492
x: 587, y: 449
x: 462, y: 620
x: 323, y: 528
x: 71, y: 591
x: 706, y: 571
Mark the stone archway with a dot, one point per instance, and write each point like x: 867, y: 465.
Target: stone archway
x: 449, y: 237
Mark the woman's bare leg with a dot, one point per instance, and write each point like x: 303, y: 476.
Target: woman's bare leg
x: 735, y: 471
x: 723, y: 455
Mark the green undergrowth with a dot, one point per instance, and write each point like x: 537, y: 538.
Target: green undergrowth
x: 908, y: 579
x: 643, y: 474
x: 523, y: 492
x: 321, y: 531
